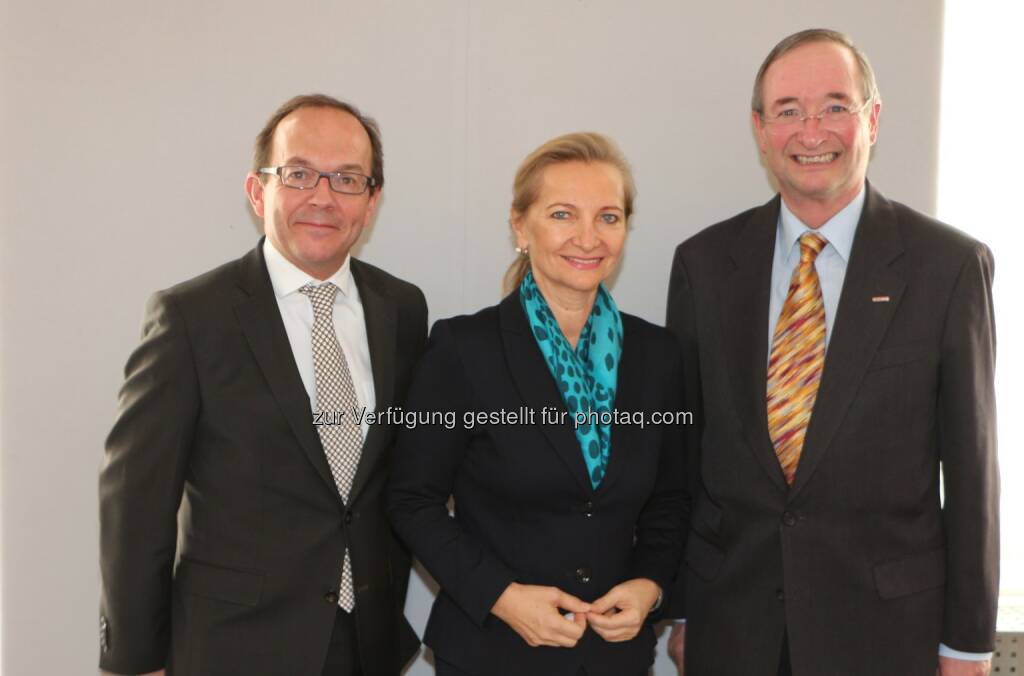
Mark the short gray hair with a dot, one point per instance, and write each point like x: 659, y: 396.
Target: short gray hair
x: 869, y: 87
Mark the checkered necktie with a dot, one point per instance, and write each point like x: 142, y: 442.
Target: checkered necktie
x: 797, y: 359
x: 342, y: 439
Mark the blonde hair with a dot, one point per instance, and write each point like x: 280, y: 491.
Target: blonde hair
x: 576, y: 147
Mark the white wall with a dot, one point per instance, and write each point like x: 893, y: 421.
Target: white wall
x: 128, y: 132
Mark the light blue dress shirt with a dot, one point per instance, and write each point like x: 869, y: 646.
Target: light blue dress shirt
x: 831, y: 267
x: 831, y: 263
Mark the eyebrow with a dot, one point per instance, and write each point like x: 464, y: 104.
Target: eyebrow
x: 786, y: 100
x: 295, y: 159
x: 573, y: 206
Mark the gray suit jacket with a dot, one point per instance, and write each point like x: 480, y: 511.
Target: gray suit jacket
x: 214, y: 420
x: 858, y: 562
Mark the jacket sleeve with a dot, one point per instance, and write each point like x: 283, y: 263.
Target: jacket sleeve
x: 682, y: 322
x: 140, y: 487
x: 413, y: 345
x: 659, y: 529
x: 427, y: 460
x: 967, y: 449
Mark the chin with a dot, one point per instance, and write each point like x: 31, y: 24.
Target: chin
x: 586, y: 284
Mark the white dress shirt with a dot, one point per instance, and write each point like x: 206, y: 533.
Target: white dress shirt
x: 349, y: 325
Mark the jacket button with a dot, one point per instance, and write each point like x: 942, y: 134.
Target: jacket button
x: 789, y: 518
x: 588, y: 509
x: 583, y: 575
x: 331, y: 597
x: 780, y: 595
x: 348, y: 518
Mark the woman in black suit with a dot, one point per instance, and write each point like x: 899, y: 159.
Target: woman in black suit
x: 541, y: 417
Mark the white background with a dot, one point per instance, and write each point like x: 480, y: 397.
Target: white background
x: 128, y: 132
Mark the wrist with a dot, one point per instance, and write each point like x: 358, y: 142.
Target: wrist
x: 504, y: 598
x: 652, y: 591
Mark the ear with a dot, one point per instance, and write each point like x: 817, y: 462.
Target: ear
x: 254, y: 191
x: 876, y: 112
x: 371, y: 205
x: 515, y: 219
x: 761, y: 130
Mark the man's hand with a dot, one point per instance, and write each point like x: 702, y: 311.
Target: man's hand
x: 949, y: 666
x: 677, y: 645
x: 532, y: 612
x: 619, y: 614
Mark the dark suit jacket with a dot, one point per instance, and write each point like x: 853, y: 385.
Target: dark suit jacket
x: 525, y: 508
x: 858, y: 562
x: 214, y: 417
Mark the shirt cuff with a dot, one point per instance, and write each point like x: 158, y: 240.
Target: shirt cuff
x: 946, y: 651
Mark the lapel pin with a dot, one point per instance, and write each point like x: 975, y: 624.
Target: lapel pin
x: 879, y: 299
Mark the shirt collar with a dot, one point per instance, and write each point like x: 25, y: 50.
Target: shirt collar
x: 838, y: 230
x: 287, y: 279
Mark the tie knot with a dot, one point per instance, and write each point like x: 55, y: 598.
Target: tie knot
x: 811, y: 245
x: 321, y: 296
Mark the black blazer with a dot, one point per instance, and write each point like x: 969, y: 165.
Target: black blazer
x: 858, y: 562
x: 213, y: 418
x: 524, y: 507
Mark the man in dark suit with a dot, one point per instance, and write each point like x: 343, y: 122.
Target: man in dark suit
x: 241, y: 521
x: 839, y: 348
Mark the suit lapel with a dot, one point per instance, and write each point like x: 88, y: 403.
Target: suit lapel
x: 537, y: 387
x: 381, y: 317
x: 743, y: 307
x: 260, y: 320
x: 858, y: 328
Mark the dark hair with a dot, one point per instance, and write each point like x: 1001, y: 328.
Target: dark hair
x: 265, y: 139
x: 869, y: 87
x: 576, y: 147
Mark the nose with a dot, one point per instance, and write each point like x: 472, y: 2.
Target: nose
x: 812, y: 132
x: 586, y: 234
x: 321, y: 192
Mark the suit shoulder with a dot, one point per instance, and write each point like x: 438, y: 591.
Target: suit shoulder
x: 384, y: 280
x: 933, y: 236
x: 470, y: 328
x: 652, y: 337
x: 716, y: 237
x: 204, y: 286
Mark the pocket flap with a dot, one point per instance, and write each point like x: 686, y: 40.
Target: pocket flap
x: 911, y: 574
x: 219, y: 582
x: 708, y: 514
x: 702, y: 557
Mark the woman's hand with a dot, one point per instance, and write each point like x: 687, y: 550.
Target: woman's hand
x: 532, y: 612
x: 619, y: 614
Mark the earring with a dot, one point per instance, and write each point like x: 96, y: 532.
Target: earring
x: 522, y: 250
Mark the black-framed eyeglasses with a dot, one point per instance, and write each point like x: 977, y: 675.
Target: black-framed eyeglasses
x: 304, y: 178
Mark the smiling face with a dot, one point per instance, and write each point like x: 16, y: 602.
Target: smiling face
x: 575, y: 230
x: 316, y: 228
x: 817, y: 168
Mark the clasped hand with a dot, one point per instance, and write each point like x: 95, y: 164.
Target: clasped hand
x: 534, y: 612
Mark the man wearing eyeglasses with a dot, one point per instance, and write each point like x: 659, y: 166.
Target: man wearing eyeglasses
x: 840, y: 350
x: 241, y: 527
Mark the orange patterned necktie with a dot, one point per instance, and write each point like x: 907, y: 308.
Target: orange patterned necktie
x: 798, y: 356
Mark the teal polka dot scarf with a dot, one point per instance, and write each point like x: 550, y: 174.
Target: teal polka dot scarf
x: 586, y: 376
